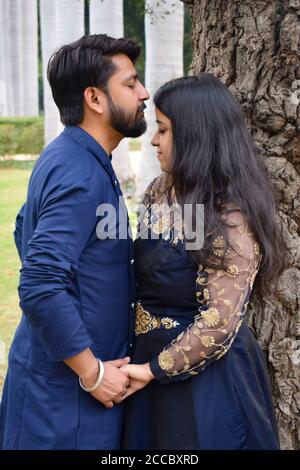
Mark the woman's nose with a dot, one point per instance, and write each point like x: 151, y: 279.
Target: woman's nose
x: 154, y: 141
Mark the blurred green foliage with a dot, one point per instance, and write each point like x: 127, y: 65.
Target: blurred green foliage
x: 21, y: 135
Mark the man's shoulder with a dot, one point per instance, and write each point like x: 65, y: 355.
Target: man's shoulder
x: 66, y: 158
x: 65, y: 149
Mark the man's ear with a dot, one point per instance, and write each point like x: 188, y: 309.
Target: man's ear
x: 93, y: 99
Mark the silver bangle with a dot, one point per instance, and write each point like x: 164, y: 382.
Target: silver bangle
x: 98, y: 381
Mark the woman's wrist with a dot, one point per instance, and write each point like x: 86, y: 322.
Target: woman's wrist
x: 148, y: 371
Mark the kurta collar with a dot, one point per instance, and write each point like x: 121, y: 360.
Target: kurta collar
x: 79, y: 135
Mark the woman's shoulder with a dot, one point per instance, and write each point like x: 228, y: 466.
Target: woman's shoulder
x: 157, y: 188
x: 159, y: 183
x: 240, y: 235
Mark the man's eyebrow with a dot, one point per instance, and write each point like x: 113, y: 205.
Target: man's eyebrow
x: 133, y: 76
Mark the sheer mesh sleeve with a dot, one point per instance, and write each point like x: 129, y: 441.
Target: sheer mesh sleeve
x: 222, y: 308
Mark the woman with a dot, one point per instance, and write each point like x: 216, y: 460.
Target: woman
x: 199, y: 373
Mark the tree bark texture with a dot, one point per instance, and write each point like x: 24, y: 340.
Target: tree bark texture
x: 253, y: 46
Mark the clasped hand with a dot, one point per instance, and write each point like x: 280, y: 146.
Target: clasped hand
x: 121, y: 380
x: 139, y: 376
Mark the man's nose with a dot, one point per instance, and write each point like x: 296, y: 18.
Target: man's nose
x: 144, y: 95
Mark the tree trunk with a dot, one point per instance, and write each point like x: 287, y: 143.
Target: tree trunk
x: 3, y: 94
x: 49, y: 42
x: 254, y: 47
x: 164, y: 61
x: 19, y: 58
x: 62, y: 21
x: 11, y: 13
x: 29, y: 58
x: 106, y: 17
x: 101, y: 14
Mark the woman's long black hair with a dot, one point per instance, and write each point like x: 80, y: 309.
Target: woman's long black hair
x: 215, y: 161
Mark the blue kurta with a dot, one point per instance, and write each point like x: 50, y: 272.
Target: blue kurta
x: 76, y: 291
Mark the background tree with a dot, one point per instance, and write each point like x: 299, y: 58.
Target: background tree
x: 3, y: 95
x: 19, y: 57
x: 62, y: 21
x: 106, y: 16
x: 29, y: 58
x: 254, y: 48
x: 11, y: 32
x: 134, y: 28
x: 164, y: 61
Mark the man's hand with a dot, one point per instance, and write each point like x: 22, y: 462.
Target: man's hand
x: 140, y: 375
x: 114, y: 383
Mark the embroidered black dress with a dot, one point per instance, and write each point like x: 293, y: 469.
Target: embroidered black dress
x: 211, y: 388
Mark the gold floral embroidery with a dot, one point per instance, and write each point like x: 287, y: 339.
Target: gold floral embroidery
x: 145, y: 321
x: 162, y: 225
x: 165, y: 219
x: 201, y: 280
x: 219, y: 242
x: 252, y: 279
x: 207, y: 341
x: 211, y: 317
x: 218, y: 246
x: 206, y: 294
x: 232, y: 271
x: 165, y: 360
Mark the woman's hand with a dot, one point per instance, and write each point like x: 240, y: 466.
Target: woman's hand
x: 139, y: 374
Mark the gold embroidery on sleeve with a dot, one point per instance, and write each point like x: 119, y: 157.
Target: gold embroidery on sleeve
x: 223, y: 297
x: 211, y: 317
x: 165, y: 360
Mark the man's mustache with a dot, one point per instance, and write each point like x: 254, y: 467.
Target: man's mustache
x: 142, y: 107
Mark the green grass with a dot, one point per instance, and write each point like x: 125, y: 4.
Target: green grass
x: 15, y: 164
x: 13, y: 187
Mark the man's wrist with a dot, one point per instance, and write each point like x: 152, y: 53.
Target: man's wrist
x: 90, y: 377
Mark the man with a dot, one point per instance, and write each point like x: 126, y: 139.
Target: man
x: 76, y: 288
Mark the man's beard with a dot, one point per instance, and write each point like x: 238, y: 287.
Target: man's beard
x: 127, y: 124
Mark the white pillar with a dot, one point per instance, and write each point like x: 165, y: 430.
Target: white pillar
x: 106, y: 17
x: 164, y: 61
x: 62, y: 21
x: 29, y: 58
